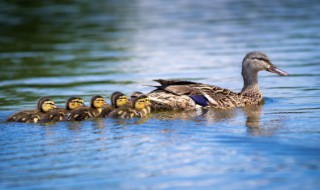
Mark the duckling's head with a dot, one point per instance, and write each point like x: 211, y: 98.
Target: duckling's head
x: 45, y: 104
x: 135, y: 94
x: 97, y: 102
x: 74, y: 103
x: 141, y: 102
x: 118, y: 99
x: 257, y: 61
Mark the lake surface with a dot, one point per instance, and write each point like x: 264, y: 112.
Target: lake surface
x: 84, y: 48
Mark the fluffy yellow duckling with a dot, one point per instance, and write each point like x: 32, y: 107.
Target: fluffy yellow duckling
x: 118, y: 99
x: 83, y: 113
x: 59, y: 114
x: 140, y: 108
x: 45, y: 104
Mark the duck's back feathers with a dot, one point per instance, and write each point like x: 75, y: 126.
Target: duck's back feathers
x: 80, y: 114
x: 26, y: 116
x: 54, y: 115
x: 174, y: 94
x: 173, y: 82
x: 123, y: 112
x: 16, y: 116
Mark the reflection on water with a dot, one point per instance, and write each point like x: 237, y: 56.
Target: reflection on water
x: 64, y: 48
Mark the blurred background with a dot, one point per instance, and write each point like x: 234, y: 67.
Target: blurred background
x: 60, y: 48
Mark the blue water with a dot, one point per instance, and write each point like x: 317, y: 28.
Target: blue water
x: 84, y: 48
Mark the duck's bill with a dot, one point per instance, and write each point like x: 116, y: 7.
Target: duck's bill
x: 277, y: 71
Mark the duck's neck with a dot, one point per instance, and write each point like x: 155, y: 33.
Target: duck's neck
x: 99, y: 110
x: 250, y: 83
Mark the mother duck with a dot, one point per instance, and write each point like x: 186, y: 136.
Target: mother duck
x: 186, y: 95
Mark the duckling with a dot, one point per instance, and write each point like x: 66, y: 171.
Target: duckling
x: 139, y: 108
x: 59, y: 114
x: 187, y: 95
x: 45, y: 104
x: 83, y: 113
x: 142, y: 105
x: 118, y: 99
x: 135, y: 94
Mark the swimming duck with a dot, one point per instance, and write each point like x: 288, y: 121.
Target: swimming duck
x: 118, y: 99
x: 44, y: 105
x: 186, y: 95
x: 139, y: 108
x: 83, y: 113
x: 59, y: 114
x: 147, y: 99
x: 136, y: 94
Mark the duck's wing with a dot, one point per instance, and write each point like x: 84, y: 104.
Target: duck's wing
x: 201, y: 94
x: 177, y: 87
x: 217, y: 97
x: 173, y: 82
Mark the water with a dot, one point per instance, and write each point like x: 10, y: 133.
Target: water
x: 65, y: 48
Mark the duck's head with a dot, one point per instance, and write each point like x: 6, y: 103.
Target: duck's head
x: 141, y: 102
x: 119, y: 99
x: 74, y: 103
x: 256, y: 61
x: 45, y: 104
x: 97, y: 102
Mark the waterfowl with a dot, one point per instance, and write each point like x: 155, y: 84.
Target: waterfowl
x: 83, y: 113
x: 135, y: 94
x: 59, y: 114
x: 187, y: 95
x: 44, y: 105
x: 118, y: 99
x: 139, y: 108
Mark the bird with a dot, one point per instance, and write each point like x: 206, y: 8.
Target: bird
x: 135, y: 94
x: 139, y: 108
x: 188, y: 95
x: 119, y: 99
x: 96, y: 106
x: 44, y: 105
x: 60, y: 114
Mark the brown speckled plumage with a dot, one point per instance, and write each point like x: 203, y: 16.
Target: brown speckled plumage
x: 175, y: 94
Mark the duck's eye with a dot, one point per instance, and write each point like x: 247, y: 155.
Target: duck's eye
x: 260, y: 59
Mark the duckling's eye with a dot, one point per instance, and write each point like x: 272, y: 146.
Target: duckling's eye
x: 123, y: 98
